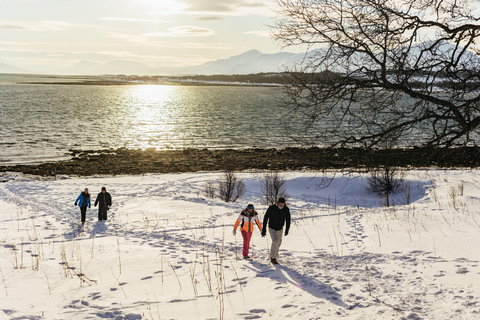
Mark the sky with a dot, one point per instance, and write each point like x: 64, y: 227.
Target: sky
x: 154, y: 32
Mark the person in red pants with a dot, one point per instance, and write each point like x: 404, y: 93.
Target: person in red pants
x: 246, y: 220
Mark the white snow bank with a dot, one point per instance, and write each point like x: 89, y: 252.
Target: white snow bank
x: 167, y: 251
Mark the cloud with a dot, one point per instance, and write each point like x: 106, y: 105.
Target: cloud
x: 131, y: 19
x: 183, y: 31
x: 215, y: 6
x: 209, y: 18
x: 36, y: 26
x: 260, y: 33
x: 12, y: 27
x: 193, y: 45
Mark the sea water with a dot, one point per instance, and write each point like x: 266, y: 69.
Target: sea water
x: 42, y: 122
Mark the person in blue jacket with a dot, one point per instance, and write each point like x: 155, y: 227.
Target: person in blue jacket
x: 83, y: 201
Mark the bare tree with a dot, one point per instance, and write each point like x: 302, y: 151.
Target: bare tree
x: 230, y: 188
x: 273, y: 186
x: 384, y: 181
x: 375, y: 74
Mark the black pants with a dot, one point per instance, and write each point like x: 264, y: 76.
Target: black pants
x: 83, y: 211
x: 102, y: 214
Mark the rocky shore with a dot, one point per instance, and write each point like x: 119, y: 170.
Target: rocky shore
x: 127, y: 161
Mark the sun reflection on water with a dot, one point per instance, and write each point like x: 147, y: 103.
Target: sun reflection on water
x: 153, y: 115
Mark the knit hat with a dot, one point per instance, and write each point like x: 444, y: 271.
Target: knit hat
x: 281, y: 200
x: 250, y: 206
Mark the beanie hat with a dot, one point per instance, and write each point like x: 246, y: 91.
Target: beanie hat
x: 281, y: 200
x: 250, y: 206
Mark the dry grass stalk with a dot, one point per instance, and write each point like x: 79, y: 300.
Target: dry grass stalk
x: 192, y: 276
x: 4, y: 284
x: 378, y: 299
x: 48, y: 282
x: 119, y: 284
x: 176, y: 275
x: 119, y: 258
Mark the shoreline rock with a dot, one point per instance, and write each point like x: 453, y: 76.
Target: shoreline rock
x: 131, y: 161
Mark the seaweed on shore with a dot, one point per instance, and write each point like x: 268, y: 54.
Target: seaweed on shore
x: 134, y: 161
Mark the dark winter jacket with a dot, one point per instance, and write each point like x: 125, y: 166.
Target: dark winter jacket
x: 104, y: 200
x: 277, y: 218
x: 81, y: 200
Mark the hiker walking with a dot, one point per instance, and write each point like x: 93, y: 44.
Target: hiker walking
x: 276, y: 217
x: 83, y: 201
x: 246, y: 220
x: 105, y: 201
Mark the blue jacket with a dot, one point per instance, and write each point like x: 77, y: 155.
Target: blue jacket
x: 80, y: 200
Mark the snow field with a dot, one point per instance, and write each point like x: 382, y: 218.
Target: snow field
x: 167, y: 251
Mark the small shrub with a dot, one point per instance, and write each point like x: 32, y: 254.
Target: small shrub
x: 406, y: 189
x: 384, y: 181
x: 273, y: 187
x: 230, y: 188
x: 209, y: 189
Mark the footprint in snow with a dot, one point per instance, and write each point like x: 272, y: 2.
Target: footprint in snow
x: 258, y: 311
x: 462, y: 271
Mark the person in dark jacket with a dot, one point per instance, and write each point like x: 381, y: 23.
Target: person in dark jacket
x: 83, y: 201
x: 105, y: 201
x: 277, y: 216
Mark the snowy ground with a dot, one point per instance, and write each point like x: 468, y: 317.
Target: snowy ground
x: 167, y: 251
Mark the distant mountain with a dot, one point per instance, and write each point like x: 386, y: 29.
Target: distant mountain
x: 5, y: 68
x: 249, y: 62
x: 252, y: 61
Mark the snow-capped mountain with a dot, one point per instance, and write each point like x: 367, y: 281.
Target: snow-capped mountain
x: 252, y: 61
x: 249, y: 62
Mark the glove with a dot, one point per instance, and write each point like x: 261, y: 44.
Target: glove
x: 264, y: 234
x: 286, y: 233
x: 234, y: 231
x: 75, y: 204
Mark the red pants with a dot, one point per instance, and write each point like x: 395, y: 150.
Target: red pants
x: 246, y: 241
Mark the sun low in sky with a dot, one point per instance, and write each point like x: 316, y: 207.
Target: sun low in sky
x: 154, y: 32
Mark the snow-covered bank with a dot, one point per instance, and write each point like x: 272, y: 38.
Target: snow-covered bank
x: 167, y: 251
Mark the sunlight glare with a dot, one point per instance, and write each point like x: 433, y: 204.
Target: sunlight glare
x: 152, y: 92
x: 153, y: 114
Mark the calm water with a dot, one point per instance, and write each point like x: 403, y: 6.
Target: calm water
x: 42, y: 122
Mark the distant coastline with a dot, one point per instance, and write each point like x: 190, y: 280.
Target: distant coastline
x: 262, y: 79
x: 128, y: 161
